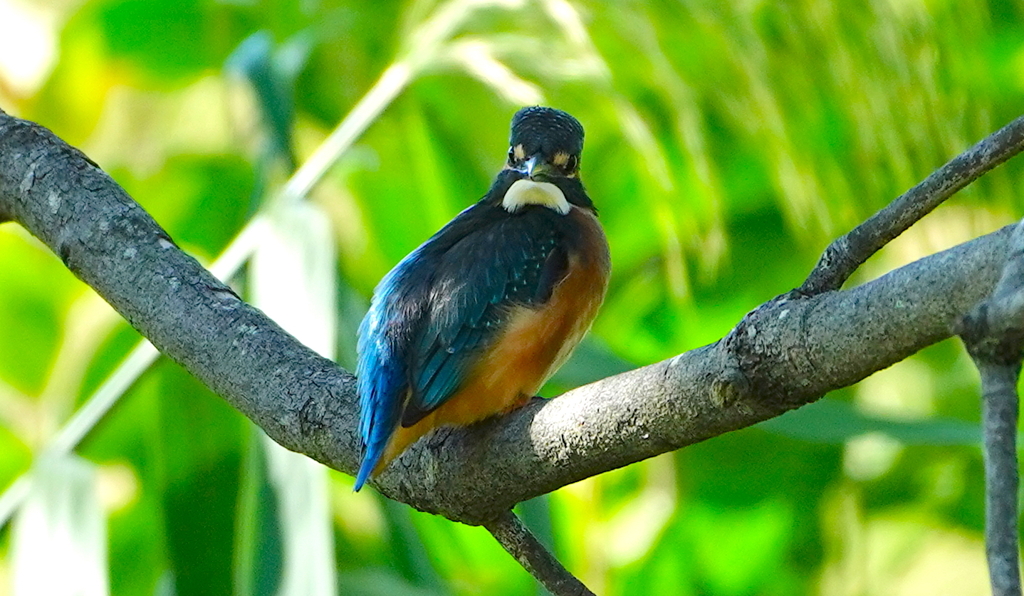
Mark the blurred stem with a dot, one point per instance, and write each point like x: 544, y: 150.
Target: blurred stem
x: 425, y: 48
x: 384, y: 91
x: 83, y: 421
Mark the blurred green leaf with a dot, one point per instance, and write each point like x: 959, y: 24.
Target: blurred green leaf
x: 373, y: 582
x: 833, y: 421
x: 739, y: 551
x: 37, y: 291
x: 172, y: 39
x: 200, y: 454
x: 271, y: 72
x: 408, y: 556
x: 258, y: 547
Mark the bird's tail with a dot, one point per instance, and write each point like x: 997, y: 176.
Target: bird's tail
x: 378, y: 421
x: 370, y: 458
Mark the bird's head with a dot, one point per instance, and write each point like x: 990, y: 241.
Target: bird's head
x: 545, y: 143
x: 543, y: 162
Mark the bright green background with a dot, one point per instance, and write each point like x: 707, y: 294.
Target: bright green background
x: 727, y: 143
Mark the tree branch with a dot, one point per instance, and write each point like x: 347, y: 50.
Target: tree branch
x: 524, y: 547
x: 994, y: 335
x: 782, y: 355
x: 1000, y: 410
x: 845, y: 254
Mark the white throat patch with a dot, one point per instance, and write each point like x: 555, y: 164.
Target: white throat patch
x: 530, y: 192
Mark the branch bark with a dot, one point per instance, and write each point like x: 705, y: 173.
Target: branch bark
x: 848, y: 252
x: 993, y: 333
x: 524, y: 547
x: 784, y: 354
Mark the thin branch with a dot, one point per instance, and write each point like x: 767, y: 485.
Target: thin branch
x: 520, y: 542
x: 1000, y: 410
x: 845, y: 254
x: 994, y: 335
x: 784, y: 355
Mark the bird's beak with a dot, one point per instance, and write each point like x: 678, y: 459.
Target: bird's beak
x: 537, y: 168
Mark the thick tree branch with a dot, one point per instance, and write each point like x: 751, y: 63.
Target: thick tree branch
x: 782, y: 355
x: 994, y: 335
x: 848, y: 252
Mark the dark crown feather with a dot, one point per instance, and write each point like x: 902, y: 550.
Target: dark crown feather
x: 547, y: 130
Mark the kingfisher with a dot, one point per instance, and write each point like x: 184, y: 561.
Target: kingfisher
x: 474, y: 321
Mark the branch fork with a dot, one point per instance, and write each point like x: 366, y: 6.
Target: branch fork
x: 784, y: 354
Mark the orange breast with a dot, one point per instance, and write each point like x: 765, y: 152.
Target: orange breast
x: 536, y: 342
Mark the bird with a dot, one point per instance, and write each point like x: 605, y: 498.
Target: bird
x: 475, y: 320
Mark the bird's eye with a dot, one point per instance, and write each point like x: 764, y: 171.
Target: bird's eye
x: 572, y: 163
x: 511, y: 155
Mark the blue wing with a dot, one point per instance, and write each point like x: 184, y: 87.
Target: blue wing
x: 515, y: 262
x: 381, y: 372
x: 437, y: 311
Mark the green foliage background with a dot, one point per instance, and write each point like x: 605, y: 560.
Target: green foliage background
x: 727, y: 143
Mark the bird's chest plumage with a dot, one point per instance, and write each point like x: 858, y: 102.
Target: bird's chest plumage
x: 507, y: 306
x: 529, y: 284
x: 480, y: 282
x: 540, y: 336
